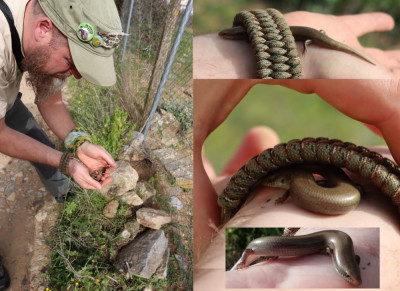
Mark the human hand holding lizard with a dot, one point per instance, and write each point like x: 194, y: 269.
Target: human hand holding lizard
x: 96, y: 158
x: 371, y: 102
x: 224, y: 59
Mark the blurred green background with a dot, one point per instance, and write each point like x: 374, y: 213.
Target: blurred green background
x: 290, y: 114
x: 237, y: 240
x: 212, y: 16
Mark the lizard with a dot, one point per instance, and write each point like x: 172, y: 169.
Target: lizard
x: 334, y: 242
x: 382, y: 172
x: 301, y: 33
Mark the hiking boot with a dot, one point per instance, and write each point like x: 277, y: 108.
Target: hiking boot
x: 4, y: 278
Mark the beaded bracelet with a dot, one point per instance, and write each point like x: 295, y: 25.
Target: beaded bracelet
x: 64, y: 162
x: 272, y: 42
x: 75, y: 138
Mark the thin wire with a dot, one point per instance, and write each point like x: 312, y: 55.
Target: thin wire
x: 167, y: 69
x: 128, y: 25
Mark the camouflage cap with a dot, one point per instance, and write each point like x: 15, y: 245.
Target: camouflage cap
x: 93, y: 29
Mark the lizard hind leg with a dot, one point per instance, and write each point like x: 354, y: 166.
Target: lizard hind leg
x: 305, y: 44
x: 248, y: 257
x: 309, y: 41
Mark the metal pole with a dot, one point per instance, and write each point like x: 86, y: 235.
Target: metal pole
x: 167, y: 69
x: 128, y: 25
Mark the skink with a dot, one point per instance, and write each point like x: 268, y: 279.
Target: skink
x: 370, y: 165
x: 300, y: 33
x: 336, y: 195
x: 334, y: 242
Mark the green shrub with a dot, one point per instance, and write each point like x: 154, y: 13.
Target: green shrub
x: 94, y: 110
x: 182, y: 110
x: 115, y: 132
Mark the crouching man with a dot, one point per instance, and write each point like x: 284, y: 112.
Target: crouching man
x: 52, y: 40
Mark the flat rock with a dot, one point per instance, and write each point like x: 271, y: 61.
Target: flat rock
x: 131, y: 198
x: 136, y: 150
x: 152, y: 218
x: 125, y: 234
x: 133, y: 227
x: 145, y: 255
x: 162, y: 269
x: 181, y: 168
x: 110, y: 210
x: 124, y: 179
x: 10, y: 188
x: 175, y: 202
x: 145, y: 190
x: 41, y: 215
x: 11, y: 197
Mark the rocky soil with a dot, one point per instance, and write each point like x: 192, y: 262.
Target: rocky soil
x: 21, y: 196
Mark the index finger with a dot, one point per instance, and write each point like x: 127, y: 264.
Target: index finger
x: 369, y: 22
x: 108, y: 159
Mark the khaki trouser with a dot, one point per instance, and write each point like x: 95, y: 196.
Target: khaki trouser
x: 21, y: 119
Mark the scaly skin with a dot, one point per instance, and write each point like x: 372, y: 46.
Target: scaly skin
x: 334, y: 242
x: 370, y: 165
x: 300, y: 33
x: 336, y: 195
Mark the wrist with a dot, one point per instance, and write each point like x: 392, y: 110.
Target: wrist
x: 76, y: 138
x: 65, y: 163
x: 234, y: 59
x: 82, y: 147
x: 272, y: 40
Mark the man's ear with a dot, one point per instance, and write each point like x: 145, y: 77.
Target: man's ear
x: 43, y: 30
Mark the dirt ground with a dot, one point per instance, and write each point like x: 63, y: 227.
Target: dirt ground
x: 21, y: 196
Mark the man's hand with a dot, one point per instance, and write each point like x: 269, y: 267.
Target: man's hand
x: 320, y: 62
x: 80, y: 173
x: 95, y: 158
x: 217, y: 58
x: 257, y: 212
x: 374, y: 103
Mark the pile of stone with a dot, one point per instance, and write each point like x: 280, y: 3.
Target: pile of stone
x: 143, y: 247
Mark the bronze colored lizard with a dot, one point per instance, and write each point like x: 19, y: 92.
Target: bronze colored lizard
x: 334, y: 242
x: 300, y: 33
x: 382, y: 172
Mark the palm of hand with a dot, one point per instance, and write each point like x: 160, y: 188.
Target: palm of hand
x: 98, y: 161
x: 93, y: 163
x: 347, y: 29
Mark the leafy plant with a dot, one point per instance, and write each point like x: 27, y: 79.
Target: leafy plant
x: 95, y: 112
x: 115, y: 132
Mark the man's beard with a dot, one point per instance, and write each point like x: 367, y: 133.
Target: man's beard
x: 44, y: 85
